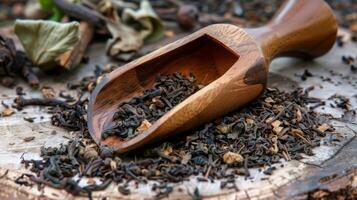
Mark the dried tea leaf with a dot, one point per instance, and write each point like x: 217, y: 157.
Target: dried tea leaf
x: 274, y: 149
x: 44, y: 41
x: 151, y: 28
x: 48, y: 92
x: 186, y: 157
x: 90, y: 154
x: 145, y: 124
x: 28, y: 139
x: 298, y: 115
x: 249, y: 121
x: 269, y: 100
x: 113, y: 164
x: 225, y: 128
x: 166, y: 149
x: 299, y: 133
x: 323, y: 127
x: 231, y: 158
x: 7, y: 112
x: 276, y: 126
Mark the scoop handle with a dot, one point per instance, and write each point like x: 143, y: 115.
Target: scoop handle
x: 301, y: 28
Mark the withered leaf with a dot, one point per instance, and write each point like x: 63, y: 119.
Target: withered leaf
x: 269, y: 100
x: 151, y: 27
x: 125, y: 40
x: 44, y: 41
x: 186, y: 157
x: 166, y: 149
x: 231, y: 158
x: 276, y: 126
x: 145, y: 124
x: 28, y: 139
x: 298, y: 115
x: 7, y: 112
x: 225, y: 128
x: 48, y: 92
x: 323, y: 127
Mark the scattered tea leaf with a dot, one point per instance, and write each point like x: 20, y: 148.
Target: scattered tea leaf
x: 276, y: 126
x: 144, y: 126
x: 48, y: 92
x: 29, y: 119
x: 28, y: 139
x: 232, y: 158
x: 7, y: 112
x: 225, y: 128
x: 323, y: 127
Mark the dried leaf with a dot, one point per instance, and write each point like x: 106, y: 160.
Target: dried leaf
x: 166, y: 149
x: 225, y: 128
x: 231, y: 158
x: 113, y: 164
x: 48, y: 92
x: 298, y: 115
x: 151, y: 28
x: 274, y: 149
x: 145, y: 124
x: 323, y: 127
x: 44, y: 41
x: 7, y: 112
x: 90, y: 154
x: 186, y: 157
x: 249, y: 121
x: 28, y: 139
x: 300, y: 134
x: 269, y: 100
x: 276, y: 126
x: 125, y: 40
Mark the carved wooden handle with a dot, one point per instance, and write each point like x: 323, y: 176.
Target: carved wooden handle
x: 301, y: 28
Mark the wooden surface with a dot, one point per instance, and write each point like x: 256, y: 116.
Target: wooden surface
x: 338, y: 161
x: 229, y: 61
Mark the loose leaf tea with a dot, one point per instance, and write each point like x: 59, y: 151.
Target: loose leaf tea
x: 137, y: 115
x: 276, y: 126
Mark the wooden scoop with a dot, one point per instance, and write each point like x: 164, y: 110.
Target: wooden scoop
x: 232, y: 62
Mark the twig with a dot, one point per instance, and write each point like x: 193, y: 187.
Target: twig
x: 22, y: 102
x: 79, y: 12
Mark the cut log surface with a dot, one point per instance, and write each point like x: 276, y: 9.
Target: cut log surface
x: 332, y: 166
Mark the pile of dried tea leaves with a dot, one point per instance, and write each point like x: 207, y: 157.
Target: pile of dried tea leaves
x: 137, y: 115
x: 276, y: 126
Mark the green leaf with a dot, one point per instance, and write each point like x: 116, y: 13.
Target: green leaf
x: 44, y: 41
x: 151, y: 27
x: 48, y: 5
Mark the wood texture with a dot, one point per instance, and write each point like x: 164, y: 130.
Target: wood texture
x: 231, y: 62
x: 301, y: 28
